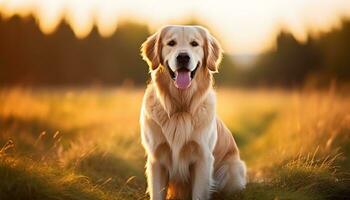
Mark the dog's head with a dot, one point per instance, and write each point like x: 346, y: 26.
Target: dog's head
x: 182, y: 50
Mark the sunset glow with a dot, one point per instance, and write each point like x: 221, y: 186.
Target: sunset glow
x: 243, y: 26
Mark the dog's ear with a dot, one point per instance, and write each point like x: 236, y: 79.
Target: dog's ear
x: 213, y: 53
x: 150, y: 51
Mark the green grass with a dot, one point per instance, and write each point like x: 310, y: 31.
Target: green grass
x: 23, y: 178
x: 84, y: 143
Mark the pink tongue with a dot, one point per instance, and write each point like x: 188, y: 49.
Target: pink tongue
x: 183, y: 79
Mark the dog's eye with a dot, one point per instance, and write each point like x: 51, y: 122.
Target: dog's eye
x: 194, y: 43
x: 171, y: 43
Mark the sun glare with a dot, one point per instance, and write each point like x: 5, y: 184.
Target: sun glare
x: 243, y: 26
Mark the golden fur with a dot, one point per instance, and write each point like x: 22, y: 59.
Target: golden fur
x: 190, y: 152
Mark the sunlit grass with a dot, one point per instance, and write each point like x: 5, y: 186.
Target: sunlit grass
x: 84, y: 143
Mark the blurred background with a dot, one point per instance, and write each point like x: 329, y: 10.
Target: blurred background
x: 87, y: 42
x: 72, y: 81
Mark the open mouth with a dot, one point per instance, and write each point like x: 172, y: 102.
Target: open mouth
x: 182, y: 76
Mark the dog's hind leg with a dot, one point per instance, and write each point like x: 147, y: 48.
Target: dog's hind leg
x: 231, y: 175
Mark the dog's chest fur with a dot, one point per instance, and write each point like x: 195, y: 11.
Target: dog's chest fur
x: 182, y: 134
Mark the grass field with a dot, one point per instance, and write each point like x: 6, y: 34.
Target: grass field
x: 84, y: 143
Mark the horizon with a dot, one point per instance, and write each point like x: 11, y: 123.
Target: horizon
x: 253, y: 28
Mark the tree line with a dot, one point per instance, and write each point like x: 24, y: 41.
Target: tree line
x: 322, y: 58
x: 29, y: 57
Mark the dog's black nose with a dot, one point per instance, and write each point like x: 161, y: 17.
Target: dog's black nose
x: 183, y: 59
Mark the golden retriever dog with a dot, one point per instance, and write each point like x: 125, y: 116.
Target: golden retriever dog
x: 190, y: 152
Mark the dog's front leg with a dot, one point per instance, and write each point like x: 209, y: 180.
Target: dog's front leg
x: 203, y: 181
x: 157, y: 178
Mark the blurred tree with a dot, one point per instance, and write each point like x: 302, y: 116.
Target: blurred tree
x: 335, y: 47
x: 288, y: 64
x: 27, y: 56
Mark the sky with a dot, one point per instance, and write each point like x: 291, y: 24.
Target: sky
x: 242, y: 26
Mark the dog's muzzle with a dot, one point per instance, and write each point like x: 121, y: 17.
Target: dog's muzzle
x: 182, y: 76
